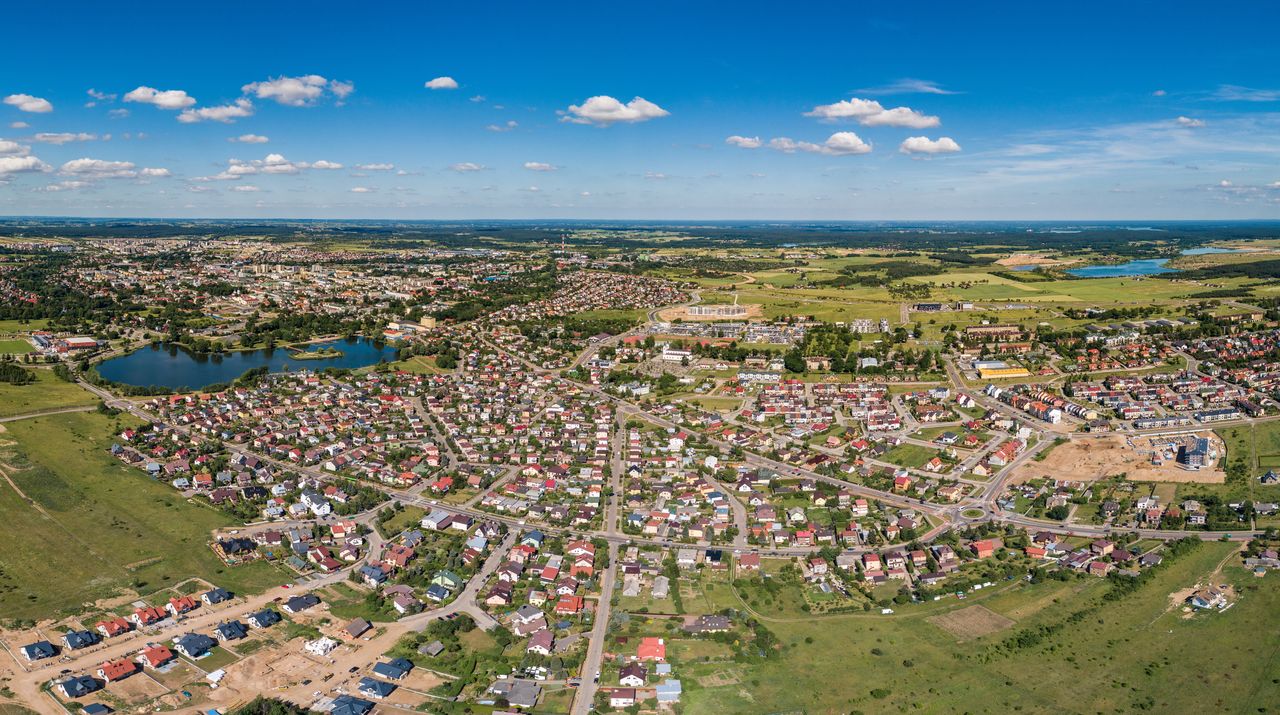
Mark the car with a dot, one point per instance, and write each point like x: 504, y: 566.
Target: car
x: 353, y: 669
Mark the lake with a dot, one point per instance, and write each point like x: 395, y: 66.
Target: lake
x: 1144, y: 267
x: 171, y: 366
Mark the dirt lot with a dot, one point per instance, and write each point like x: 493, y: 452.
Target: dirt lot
x: 1029, y: 259
x: 1092, y: 458
x: 754, y: 310
x: 972, y: 622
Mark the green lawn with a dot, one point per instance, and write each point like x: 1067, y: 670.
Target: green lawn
x: 16, y: 346
x: 910, y: 455
x: 1127, y: 655
x: 104, y: 527
x: 46, y: 392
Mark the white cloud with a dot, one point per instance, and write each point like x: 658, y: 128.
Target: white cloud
x: 1159, y: 93
x: 1225, y: 183
x: 477, y: 99
x: 291, y: 91
x: 341, y: 89
x: 322, y: 164
x: 655, y: 176
x: 838, y: 144
x: 226, y: 113
x: 925, y: 145
x: 744, y: 142
x: 12, y: 148
x: 64, y: 137
x: 375, y: 167
x: 246, y: 189
x: 99, y: 168
x: 466, y: 166
x: 68, y: 185
x: 909, y: 86
x: 1189, y: 122
x: 27, y: 103
x: 532, y: 189
x: 511, y: 124
x: 539, y: 166
x: 164, y: 99
x: 120, y: 113
x: 155, y: 172
x: 869, y: 112
x: 362, y: 190
x: 20, y: 164
x: 605, y: 110
x: 18, y: 125
x: 100, y: 96
x: 249, y: 139
x: 441, y: 83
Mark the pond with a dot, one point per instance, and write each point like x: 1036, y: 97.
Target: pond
x: 1144, y: 267
x: 173, y: 367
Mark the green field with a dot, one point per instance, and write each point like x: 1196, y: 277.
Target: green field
x: 47, y: 392
x: 1134, y: 654
x: 909, y: 455
x: 15, y: 346
x: 97, y: 528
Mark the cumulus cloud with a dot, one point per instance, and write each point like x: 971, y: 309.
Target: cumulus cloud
x: 463, y: 167
x: 226, y: 113
x: 18, y: 125
x: 1159, y: 93
x: 925, y: 145
x: 1189, y: 122
x: 155, y: 172
x: 375, y: 167
x: 164, y: 99
x: 322, y: 164
x: 869, y: 112
x: 249, y: 139
x: 838, y: 144
x: 441, y: 83
x: 99, y: 168
x: 605, y: 110
x: 744, y: 142
x: 271, y: 164
x: 28, y: 103
x: 64, y: 137
x: 119, y: 113
x: 301, y: 91
x: 21, y: 164
x: 511, y: 124
x: 539, y: 166
x: 362, y: 190
x: 12, y: 148
x: 246, y: 189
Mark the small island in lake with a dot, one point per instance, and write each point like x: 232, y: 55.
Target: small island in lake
x: 321, y: 354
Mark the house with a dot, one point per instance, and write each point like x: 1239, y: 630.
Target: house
x: 622, y: 697
x: 984, y: 549
x: 349, y: 705
x: 633, y: 675
x: 1207, y: 598
x: 77, y: 686
x: 651, y: 649
x: 432, y: 649
x: 179, y: 606
x: 376, y: 689
x: 373, y: 576
x: 155, y: 656
x: 75, y: 640
x: 357, y: 628
x: 668, y: 691
x: 264, y: 618
x: 38, y: 651
x: 749, y: 562
x: 147, y: 615
x: 393, y: 670
x: 298, y: 604
x: 519, y: 693
x: 193, y: 645
x: 230, y: 631
x: 113, y: 627
x: 708, y: 624
x: 541, y: 642
x: 114, y: 670
x: 569, y: 605
x: 217, y: 595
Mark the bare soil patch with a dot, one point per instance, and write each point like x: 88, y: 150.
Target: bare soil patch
x: 972, y: 622
x: 1093, y: 458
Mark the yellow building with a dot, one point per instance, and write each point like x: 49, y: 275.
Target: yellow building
x: 987, y: 373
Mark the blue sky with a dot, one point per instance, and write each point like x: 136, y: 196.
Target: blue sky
x: 745, y: 111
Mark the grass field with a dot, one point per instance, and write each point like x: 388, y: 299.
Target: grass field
x: 97, y: 528
x: 47, y: 392
x: 910, y: 455
x: 15, y: 346
x: 1133, y: 654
